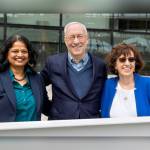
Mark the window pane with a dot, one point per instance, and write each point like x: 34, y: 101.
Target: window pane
x: 36, y: 34
x: 34, y: 19
x: 44, y: 41
x: 99, y: 43
x: 1, y: 36
x: 130, y: 22
x: 1, y: 33
x: 1, y: 18
x: 148, y: 22
x: 99, y: 21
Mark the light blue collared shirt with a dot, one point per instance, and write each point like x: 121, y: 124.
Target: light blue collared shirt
x: 78, y: 66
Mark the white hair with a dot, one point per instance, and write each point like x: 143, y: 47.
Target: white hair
x: 71, y: 23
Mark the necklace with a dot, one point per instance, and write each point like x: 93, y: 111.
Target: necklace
x: 125, y: 98
x: 20, y: 79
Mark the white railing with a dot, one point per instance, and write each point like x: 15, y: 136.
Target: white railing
x: 84, y: 134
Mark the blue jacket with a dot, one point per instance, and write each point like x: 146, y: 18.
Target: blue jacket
x: 65, y: 102
x: 142, y: 95
x: 8, y: 98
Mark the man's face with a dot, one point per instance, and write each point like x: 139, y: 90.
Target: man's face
x: 76, y: 40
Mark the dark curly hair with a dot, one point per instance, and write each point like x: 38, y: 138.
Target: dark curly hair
x: 123, y: 49
x: 4, y: 64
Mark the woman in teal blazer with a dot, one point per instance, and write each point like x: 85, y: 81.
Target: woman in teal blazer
x: 125, y: 62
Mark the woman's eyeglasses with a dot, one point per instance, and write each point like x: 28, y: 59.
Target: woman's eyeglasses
x: 123, y: 59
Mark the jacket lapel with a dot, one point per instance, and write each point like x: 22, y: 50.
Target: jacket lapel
x: 66, y: 76
x: 93, y: 69
x: 35, y: 89
x: 8, y: 87
x: 138, y: 94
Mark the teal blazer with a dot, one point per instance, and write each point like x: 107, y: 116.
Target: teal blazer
x: 142, y: 95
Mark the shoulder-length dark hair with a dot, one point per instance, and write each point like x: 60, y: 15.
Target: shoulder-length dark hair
x: 9, y: 43
x: 123, y: 49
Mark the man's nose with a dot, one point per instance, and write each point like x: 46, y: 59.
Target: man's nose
x: 76, y: 39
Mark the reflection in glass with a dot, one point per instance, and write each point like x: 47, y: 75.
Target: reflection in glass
x: 95, y: 21
x: 105, y: 30
x: 1, y: 36
x: 99, y: 43
x: 34, y: 19
x: 141, y: 41
x: 1, y: 18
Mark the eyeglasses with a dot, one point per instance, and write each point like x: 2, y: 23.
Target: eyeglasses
x: 72, y: 37
x: 124, y: 59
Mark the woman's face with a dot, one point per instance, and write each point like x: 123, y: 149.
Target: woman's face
x: 125, y: 65
x: 18, y: 55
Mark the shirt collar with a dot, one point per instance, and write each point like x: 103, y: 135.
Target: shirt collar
x: 119, y: 88
x: 11, y: 74
x: 84, y: 60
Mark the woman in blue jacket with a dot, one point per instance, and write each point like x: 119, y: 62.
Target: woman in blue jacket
x: 127, y: 94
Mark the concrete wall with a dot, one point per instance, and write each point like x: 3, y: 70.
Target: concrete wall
x: 84, y: 134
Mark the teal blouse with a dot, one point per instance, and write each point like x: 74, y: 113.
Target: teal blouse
x: 25, y: 101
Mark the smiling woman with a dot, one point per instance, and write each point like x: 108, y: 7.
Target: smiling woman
x: 126, y: 95
x: 19, y: 84
x: 18, y: 57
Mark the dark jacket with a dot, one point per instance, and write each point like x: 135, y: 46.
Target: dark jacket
x: 65, y: 102
x: 8, y: 98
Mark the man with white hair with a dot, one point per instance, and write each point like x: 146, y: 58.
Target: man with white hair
x: 77, y: 77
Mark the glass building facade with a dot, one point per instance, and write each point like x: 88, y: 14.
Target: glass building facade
x: 45, y: 31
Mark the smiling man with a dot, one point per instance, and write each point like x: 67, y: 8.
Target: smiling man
x: 77, y: 77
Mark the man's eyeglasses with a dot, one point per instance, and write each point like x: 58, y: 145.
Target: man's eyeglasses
x: 72, y: 37
x: 123, y: 59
